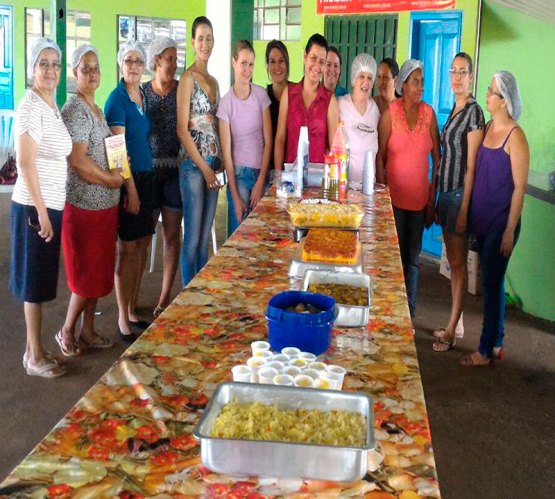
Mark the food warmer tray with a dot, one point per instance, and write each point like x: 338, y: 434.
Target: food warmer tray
x: 299, y: 266
x: 348, y: 315
x: 237, y: 457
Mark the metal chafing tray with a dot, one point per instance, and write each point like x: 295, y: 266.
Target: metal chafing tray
x: 348, y: 315
x: 299, y: 266
x: 285, y: 459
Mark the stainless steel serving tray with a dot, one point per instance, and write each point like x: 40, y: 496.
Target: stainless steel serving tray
x: 348, y: 315
x: 285, y: 459
x: 299, y: 266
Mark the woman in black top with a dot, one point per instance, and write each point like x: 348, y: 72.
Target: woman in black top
x: 460, y: 140
x: 277, y: 65
x: 161, y: 98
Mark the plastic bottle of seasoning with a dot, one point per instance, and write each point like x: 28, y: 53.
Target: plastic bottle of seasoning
x: 330, y: 162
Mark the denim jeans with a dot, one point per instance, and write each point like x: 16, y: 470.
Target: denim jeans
x: 245, y: 177
x: 494, y: 266
x: 410, y: 226
x: 199, y: 209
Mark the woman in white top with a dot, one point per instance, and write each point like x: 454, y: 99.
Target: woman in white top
x: 360, y: 115
x: 42, y: 145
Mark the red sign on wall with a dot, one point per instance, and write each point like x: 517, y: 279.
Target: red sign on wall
x: 364, y: 6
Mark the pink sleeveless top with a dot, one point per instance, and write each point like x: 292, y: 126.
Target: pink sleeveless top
x: 408, y: 153
x: 315, y: 117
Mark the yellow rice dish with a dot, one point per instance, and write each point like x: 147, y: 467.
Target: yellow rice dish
x: 257, y: 421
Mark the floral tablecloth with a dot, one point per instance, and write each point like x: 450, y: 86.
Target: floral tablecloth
x: 130, y: 435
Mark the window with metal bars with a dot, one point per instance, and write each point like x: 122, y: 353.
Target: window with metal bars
x: 279, y: 19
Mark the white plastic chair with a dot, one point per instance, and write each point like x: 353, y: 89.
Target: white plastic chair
x: 155, y: 241
x: 7, y: 118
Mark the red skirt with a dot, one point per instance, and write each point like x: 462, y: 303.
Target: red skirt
x: 89, y: 246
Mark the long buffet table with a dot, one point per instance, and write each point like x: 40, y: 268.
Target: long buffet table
x: 130, y: 435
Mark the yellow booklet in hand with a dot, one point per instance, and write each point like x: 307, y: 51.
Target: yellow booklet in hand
x: 116, y: 152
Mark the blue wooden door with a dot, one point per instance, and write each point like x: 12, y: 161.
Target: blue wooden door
x: 6, y: 57
x: 436, y: 38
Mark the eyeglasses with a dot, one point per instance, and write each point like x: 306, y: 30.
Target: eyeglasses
x: 463, y: 72
x: 89, y: 69
x: 492, y: 92
x: 134, y: 62
x: 45, y: 66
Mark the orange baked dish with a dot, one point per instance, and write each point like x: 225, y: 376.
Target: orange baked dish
x: 331, y: 246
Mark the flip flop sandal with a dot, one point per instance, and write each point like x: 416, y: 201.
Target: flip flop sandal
x: 100, y: 342
x: 469, y: 360
x: 440, y: 333
x: 158, y: 311
x: 442, y: 345
x: 50, y: 370
x: 68, y: 349
x: 498, y: 353
x: 49, y: 355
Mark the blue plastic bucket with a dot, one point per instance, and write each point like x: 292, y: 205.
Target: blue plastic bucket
x: 309, y: 332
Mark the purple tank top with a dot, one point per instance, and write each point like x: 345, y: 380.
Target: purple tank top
x: 493, y: 190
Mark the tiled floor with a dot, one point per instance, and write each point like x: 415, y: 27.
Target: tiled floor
x: 491, y: 427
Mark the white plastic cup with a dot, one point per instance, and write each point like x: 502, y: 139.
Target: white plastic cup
x: 264, y: 354
x: 280, y: 357
x: 313, y: 373
x: 259, y: 346
x: 298, y: 362
x: 303, y: 381
x: 309, y: 357
x: 368, y: 173
x: 291, y: 370
x: 319, y: 366
x: 266, y: 375
x: 340, y: 371
x: 334, y: 380
x: 255, y: 363
x: 322, y: 383
x: 241, y: 373
x: 283, y: 380
x: 291, y: 351
x: 276, y: 364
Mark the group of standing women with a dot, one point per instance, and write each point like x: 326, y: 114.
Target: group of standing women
x: 180, y: 136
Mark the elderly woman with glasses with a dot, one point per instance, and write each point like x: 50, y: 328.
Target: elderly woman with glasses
x: 408, y: 135
x: 126, y: 113
x: 497, y: 198
x: 161, y: 99
x: 42, y: 144
x: 360, y: 115
x: 91, y: 211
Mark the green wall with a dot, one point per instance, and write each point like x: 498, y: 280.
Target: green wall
x: 517, y: 42
x: 313, y: 23
x: 103, y: 31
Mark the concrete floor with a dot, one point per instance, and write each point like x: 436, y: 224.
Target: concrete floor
x: 492, y: 428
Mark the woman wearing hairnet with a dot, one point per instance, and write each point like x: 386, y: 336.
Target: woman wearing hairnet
x: 360, y: 115
x: 460, y: 140
x: 126, y: 114
x: 408, y: 134
x: 42, y: 144
x: 161, y: 99
x: 91, y: 210
x: 497, y: 200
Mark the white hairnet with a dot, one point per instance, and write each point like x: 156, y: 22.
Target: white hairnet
x: 406, y: 70
x: 129, y: 46
x: 156, y: 47
x: 363, y: 63
x: 38, y: 46
x: 79, y: 52
x: 508, y: 88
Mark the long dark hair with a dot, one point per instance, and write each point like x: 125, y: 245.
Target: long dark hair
x: 316, y: 39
